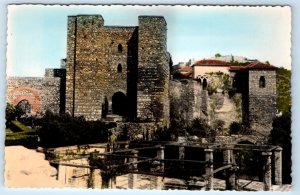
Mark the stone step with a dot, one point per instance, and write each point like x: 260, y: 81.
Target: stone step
x: 114, y: 118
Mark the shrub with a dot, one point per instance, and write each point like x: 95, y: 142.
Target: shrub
x: 235, y: 128
x: 17, y: 126
x: 199, y: 127
x: 63, y: 129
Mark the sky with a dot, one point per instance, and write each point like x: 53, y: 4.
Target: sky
x: 37, y: 34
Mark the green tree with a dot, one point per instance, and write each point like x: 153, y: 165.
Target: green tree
x: 10, y: 113
x: 284, y: 90
x: 63, y: 129
x: 217, y: 55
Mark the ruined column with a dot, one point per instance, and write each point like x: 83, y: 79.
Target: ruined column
x: 278, y: 166
x: 132, y: 177
x: 209, y: 168
x: 267, y: 172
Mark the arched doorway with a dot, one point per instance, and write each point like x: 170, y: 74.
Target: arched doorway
x: 119, y: 104
x: 24, y: 106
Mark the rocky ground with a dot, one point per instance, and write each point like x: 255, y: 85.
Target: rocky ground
x: 25, y: 168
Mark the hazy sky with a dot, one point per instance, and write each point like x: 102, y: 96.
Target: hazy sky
x: 37, y: 34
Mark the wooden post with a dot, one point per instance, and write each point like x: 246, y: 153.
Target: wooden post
x: 209, y: 168
x: 229, y: 173
x: 132, y: 177
x: 161, y: 156
x: 181, y: 156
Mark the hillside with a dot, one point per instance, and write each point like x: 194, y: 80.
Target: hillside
x: 284, y: 89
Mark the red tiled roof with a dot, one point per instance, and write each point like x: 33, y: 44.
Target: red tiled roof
x: 236, y: 68
x: 185, y: 68
x: 254, y: 65
x: 211, y: 63
x: 259, y: 65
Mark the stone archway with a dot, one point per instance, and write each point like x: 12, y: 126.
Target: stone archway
x: 25, y: 106
x: 16, y: 95
x: 119, y: 104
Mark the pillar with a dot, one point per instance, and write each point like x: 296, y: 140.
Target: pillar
x: 278, y: 166
x: 181, y: 155
x: 132, y: 177
x: 61, y: 175
x: 161, y: 156
x: 228, y: 156
x: 229, y: 173
x: 209, y: 168
x: 267, y: 172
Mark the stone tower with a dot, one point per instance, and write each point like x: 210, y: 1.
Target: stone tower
x: 153, y: 70
x: 261, y: 104
x: 117, y: 70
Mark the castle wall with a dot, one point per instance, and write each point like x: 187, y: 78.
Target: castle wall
x: 262, y: 100
x: 186, y: 99
x: 153, y: 70
x: 41, y: 93
x: 93, y: 56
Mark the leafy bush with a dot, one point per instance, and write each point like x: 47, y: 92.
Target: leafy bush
x: 63, y: 129
x: 27, y: 138
x: 29, y: 141
x: 235, y: 128
x: 17, y: 126
x: 199, y: 127
x: 12, y: 113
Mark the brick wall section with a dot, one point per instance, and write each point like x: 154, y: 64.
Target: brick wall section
x: 153, y: 70
x: 262, y: 101
x: 93, y: 56
x: 41, y: 93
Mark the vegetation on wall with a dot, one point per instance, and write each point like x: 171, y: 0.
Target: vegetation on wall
x: 218, y: 80
x: 284, y: 90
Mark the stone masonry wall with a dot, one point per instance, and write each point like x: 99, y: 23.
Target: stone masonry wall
x: 262, y: 100
x: 41, y: 93
x: 185, y: 99
x: 93, y: 56
x: 153, y: 70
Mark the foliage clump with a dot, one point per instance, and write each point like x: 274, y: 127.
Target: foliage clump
x: 63, y: 129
